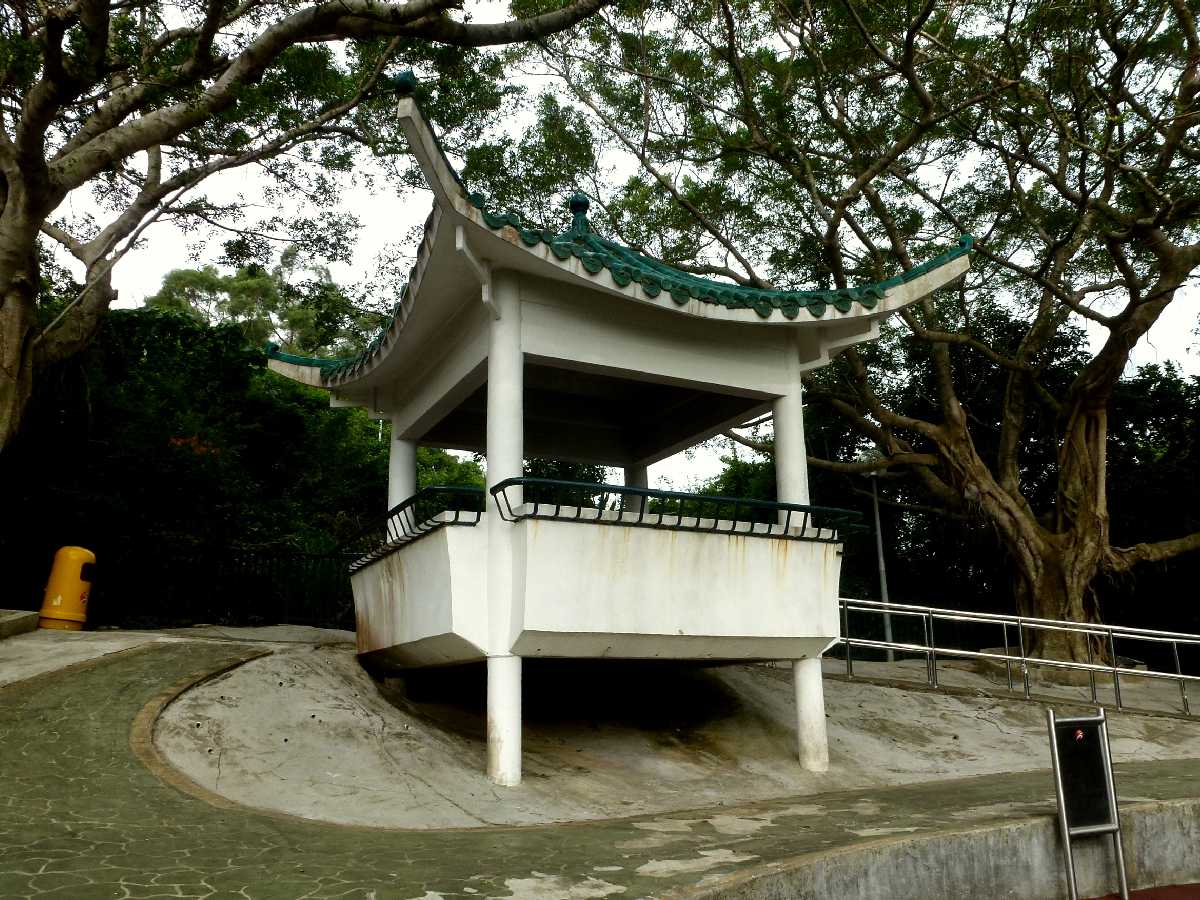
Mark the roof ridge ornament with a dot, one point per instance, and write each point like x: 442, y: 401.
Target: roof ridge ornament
x: 405, y: 83
x: 580, y: 227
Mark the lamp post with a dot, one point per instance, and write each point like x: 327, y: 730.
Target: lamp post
x: 883, y: 591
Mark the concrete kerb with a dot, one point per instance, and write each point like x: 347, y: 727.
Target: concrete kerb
x: 1018, y: 859
x: 141, y: 736
x: 17, y: 621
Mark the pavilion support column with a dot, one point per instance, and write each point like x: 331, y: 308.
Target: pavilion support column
x: 791, y: 486
x: 810, y: 714
x: 791, y: 457
x: 402, y: 469
x: 505, y: 458
x: 636, y: 477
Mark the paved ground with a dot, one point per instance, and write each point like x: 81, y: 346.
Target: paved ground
x: 81, y: 816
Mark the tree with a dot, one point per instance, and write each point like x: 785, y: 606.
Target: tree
x: 938, y: 559
x: 822, y: 145
x: 299, y: 307
x: 142, y: 101
x: 168, y: 443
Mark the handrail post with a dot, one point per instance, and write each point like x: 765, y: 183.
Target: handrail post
x: 1024, y: 658
x: 883, y: 586
x: 933, y: 650
x: 1091, y: 672
x: 1007, y: 655
x: 928, y: 642
x: 846, y: 639
x: 1182, y: 683
x: 1112, y: 651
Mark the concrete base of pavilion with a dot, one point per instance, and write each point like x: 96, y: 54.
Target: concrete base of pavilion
x: 307, y: 732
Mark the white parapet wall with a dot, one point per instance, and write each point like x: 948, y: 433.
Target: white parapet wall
x: 591, y: 590
x: 425, y: 604
x: 610, y: 590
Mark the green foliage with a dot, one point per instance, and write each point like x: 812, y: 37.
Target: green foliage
x: 538, y: 170
x: 753, y: 479
x: 1154, y: 455
x: 169, y: 438
x: 299, y: 307
x: 173, y: 433
x: 562, y: 470
x: 1153, y: 458
x: 437, y: 467
x: 56, y: 287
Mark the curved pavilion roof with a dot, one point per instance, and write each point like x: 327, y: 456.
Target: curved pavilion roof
x: 610, y: 266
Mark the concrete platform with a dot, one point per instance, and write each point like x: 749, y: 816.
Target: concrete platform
x: 16, y: 621
x: 602, y: 739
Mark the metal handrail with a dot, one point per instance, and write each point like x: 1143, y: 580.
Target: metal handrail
x: 1061, y: 624
x: 612, y: 504
x: 930, y: 650
x: 427, y: 510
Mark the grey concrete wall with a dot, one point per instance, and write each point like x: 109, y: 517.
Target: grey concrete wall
x: 1008, y: 860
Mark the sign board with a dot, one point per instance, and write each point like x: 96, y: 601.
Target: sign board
x: 1083, y: 782
x: 1084, y: 773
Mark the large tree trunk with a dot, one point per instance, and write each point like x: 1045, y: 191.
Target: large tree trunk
x: 19, y: 274
x: 24, y: 347
x: 1056, y: 558
x: 1059, y: 586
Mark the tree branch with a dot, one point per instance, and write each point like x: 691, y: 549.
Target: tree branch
x: 1122, y: 559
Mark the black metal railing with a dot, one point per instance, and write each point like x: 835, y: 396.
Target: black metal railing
x: 425, y: 511
x: 609, y: 504
x: 174, y: 587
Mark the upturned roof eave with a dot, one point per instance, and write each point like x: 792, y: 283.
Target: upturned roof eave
x: 891, y: 295
x: 607, y: 267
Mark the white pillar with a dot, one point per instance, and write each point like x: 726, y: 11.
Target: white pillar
x: 505, y: 457
x: 637, y: 477
x: 402, y: 469
x: 791, y: 486
x: 791, y: 462
x: 810, y: 714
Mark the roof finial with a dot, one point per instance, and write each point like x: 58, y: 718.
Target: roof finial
x: 405, y: 83
x: 578, y: 204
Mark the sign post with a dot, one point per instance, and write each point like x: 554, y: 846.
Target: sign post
x: 1083, y: 782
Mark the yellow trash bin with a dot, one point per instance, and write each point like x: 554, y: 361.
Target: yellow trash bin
x: 65, y: 604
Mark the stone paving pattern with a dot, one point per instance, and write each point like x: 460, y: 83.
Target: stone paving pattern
x: 82, y: 817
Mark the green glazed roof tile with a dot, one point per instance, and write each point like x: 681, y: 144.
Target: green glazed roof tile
x: 627, y: 265
x: 274, y: 352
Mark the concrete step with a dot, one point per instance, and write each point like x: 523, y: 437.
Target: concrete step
x: 16, y: 621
